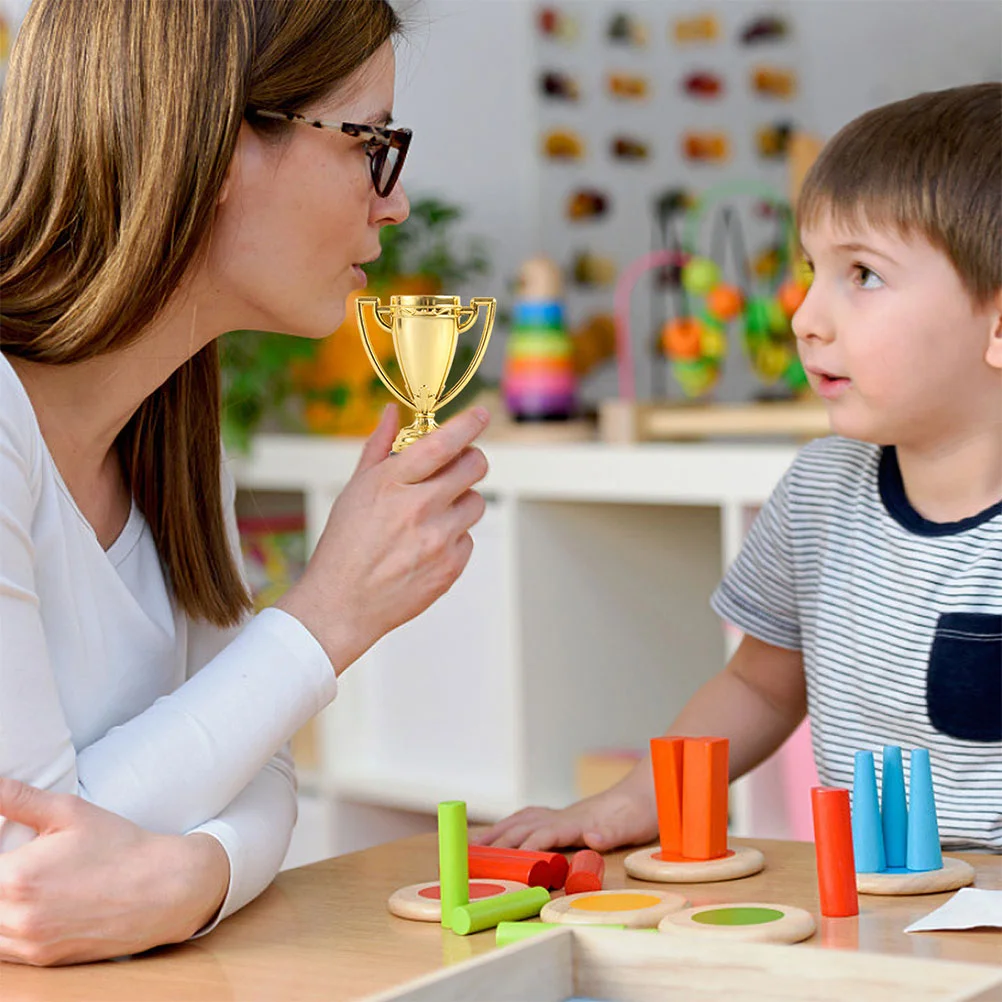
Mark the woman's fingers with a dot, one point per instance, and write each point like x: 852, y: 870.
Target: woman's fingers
x: 466, y: 470
x: 29, y: 806
x: 466, y: 511
x: 379, y: 443
x: 428, y: 455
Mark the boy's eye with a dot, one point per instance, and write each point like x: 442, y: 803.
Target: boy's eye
x: 867, y: 279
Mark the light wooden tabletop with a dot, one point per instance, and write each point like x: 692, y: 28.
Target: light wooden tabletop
x: 323, y: 932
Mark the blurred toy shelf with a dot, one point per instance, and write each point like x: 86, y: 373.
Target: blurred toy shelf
x: 582, y: 622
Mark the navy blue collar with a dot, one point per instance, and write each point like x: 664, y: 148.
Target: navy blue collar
x: 892, y: 493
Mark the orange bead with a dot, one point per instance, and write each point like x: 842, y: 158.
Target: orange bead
x: 725, y: 301
x: 681, y: 338
x: 790, y: 295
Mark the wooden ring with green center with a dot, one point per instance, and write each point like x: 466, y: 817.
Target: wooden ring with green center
x: 745, y: 921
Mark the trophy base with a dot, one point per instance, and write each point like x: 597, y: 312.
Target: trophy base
x: 422, y: 425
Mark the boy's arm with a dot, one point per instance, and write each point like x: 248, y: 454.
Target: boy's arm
x: 756, y: 701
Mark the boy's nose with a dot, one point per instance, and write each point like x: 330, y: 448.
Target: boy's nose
x: 811, y: 321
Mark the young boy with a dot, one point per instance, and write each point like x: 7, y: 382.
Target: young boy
x: 870, y: 586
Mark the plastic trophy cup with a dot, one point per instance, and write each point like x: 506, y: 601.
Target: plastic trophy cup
x: 425, y: 331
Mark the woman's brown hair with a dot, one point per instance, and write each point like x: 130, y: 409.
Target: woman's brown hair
x: 931, y: 164
x: 119, y: 122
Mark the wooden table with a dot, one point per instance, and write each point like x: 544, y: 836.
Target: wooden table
x: 323, y: 932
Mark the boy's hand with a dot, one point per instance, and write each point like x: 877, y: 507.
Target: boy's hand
x: 616, y: 817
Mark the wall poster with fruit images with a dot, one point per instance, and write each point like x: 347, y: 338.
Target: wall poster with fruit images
x: 664, y: 126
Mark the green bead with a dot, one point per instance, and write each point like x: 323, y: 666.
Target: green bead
x: 757, y: 316
x: 794, y: 376
x: 778, y: 321
x: 696, y: 377
x: 699, y: 275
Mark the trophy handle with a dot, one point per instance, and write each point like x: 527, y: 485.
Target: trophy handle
x: 488, y: 305
x: 373, y: 301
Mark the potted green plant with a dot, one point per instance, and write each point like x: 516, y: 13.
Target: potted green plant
x: 328, y: 386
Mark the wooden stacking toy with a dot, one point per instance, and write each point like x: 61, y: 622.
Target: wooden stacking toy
x: 690, y: 784
x: 587, y: 870
x: 833, y: 849
x: 466, y: 906
x: 634, y: 909
x: 537, y: 869
x: 746, y: 922
x: 423, y: 902
x: 896, y: 844
x: 538, y: 382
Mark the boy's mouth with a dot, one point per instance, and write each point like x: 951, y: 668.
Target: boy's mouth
x: 828, y: 384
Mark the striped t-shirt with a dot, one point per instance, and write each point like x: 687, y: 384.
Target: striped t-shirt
x: 899, y: 620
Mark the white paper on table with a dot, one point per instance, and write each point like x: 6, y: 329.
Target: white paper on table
x: 969, y: 908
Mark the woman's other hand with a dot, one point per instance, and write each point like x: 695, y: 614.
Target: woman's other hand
x: 397, y: 537
x: 93, y: 885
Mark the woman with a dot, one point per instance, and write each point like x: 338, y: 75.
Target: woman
x: 156, y: 193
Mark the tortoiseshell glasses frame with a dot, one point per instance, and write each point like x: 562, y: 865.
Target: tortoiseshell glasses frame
x: 386, y: 148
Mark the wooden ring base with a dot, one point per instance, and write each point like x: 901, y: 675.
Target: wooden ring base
x: 644, y: 917
x: 795, y: 925
x: 954, y: 874
x: 408, y: 903
x: 743, y: 862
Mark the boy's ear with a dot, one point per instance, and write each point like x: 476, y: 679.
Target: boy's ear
x: 994, y: 354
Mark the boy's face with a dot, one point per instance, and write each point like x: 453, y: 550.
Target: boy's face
x: 891, y: 340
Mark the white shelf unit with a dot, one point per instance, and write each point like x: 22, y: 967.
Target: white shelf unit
x: 581, y: 622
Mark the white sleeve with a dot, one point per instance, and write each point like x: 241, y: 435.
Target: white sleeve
x: 254, y: 831
x: 35, y: 741
x: 185, y: 758
x: 198, y: 756
x: 248, y: 691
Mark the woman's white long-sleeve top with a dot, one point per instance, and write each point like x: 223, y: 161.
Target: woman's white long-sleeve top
x: 109, y: 692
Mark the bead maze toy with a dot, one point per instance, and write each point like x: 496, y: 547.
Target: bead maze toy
x: 760, y: 300
x: 896, y: 843
x: 635, y: 909
x: 690, y: 784
x: 745, y: 922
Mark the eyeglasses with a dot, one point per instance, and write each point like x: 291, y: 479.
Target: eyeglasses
x: 386, y: 148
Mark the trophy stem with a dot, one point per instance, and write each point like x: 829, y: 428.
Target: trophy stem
x: 424, y: 423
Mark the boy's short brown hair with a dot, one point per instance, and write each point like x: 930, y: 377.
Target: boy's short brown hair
x: 930, y: 164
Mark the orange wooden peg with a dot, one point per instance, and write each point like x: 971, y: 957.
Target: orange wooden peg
x: 704, y: 798
x: 666, y: 762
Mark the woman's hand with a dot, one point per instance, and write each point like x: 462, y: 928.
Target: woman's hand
x: 625, y: 814
x: 93, y: 885
x: 397, y: 537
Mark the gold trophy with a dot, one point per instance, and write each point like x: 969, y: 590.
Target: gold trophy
x: 425, y: 331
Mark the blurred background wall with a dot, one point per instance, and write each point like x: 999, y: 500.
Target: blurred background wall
x: 468, y: 84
